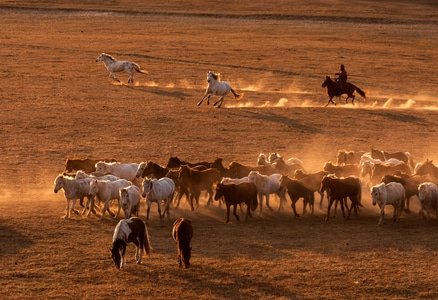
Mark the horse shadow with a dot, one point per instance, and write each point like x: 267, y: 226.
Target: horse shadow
x: 401, y: 117
x: 276, y: 118
x: 12, y: 242
x: 159, y: 91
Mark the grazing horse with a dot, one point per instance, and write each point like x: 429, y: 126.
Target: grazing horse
x: 234, y: 194
x: 218, y: 88
x: 113, y: 65
x: 182, y: 233
x: 428, y: 195
x: 297, y: 190
x: 127, y: 231
x: 332, y: 91
x: 340, y: 188
x: 393, y: 194
x: 157, y: 190
x: 428, y: 168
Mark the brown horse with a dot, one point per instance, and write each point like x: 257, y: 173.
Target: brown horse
x: 182, y: 233
x: 234, y: 194
x: 428, y: 167
x: 340, y: 188
x: 400, y: 155
x: 332, y: 91
x: 297, y: 190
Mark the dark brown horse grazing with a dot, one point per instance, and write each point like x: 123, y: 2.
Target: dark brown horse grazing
x: 234, y: 194
x: 182, y: 233
x: 297, y: 190
x: 341, y: 188
x: 332, y: 91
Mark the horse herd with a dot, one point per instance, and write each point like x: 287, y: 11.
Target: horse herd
x: 392, y: 179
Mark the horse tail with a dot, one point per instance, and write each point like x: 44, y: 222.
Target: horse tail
x: 236, y: 95
x: 146, y: 242
x: 362, y: 93
x: 138, y: 69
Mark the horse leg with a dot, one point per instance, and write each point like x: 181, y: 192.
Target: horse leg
x: 267, y: 202
x: 67, y: 213
x: 159, y: 209
x: 328, y: 209
x: 73, y: 203
x: 235, y: 212
x: 228, y: 213
x: 294, y: 200
x: 147, y: 210
x: 122, y: 262
x: 220, y: 100
x: 248, y: 211
x: 114, y: 77
x: 261, y: 202
x: 321, y: 199
x: 382, y: 214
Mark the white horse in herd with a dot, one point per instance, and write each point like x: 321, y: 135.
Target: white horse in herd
x: 129, y: 198
x: 393, y: 194
x: 74, y: 189
x: 218, y: 88
x: 105, y: 191
x: 428, y: 195
x: 157, y: 190
x: 123, y: 171
x: 267, y: 185
x: 113, y: 65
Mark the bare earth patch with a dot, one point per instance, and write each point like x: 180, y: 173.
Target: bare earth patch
x: 57, y: 102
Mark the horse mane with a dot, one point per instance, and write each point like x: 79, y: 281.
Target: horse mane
x: 216, y: 76
x: 109, y: 56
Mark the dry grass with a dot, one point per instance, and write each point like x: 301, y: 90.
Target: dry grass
x: 57, y: 102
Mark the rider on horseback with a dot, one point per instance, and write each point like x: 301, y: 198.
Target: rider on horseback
x: 341, y: 80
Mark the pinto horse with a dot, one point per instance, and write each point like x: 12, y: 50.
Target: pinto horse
x: 218, y: 88
x: 332, y: 91
x: 127, y: 231
x: 182, y: 233
x: 113, y: 65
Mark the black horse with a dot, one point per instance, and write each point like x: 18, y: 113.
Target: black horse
x: 332, y: 90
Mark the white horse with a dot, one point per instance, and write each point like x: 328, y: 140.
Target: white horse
x: 267, y: 185
x: 113, y: 65
x: 428, y: 195
x: 123, y: 171
x: 156, y: 190
x: 393, y: 194
x: 218, y: 88
x: 73, y: 189
x: 129, y: 198
x: 82, y: 175
x: 106, y: 191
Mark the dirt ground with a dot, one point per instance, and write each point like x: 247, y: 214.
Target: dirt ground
x: 57, y: 102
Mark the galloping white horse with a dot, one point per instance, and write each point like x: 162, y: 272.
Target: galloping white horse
x: 113, y: 65
x: 218, y: 88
